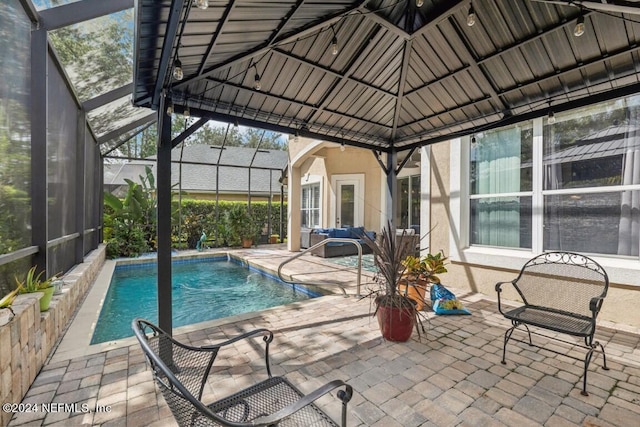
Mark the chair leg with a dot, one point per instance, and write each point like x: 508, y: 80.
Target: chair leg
x: 345, y: 397
x: 587, y: 361
x: 507, y: 337
x: 604, y: 357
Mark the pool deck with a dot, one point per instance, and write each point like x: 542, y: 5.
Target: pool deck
x: 450, y: 376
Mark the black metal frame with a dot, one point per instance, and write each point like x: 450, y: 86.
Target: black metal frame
x: 165, y: 371
x: 555, y: 319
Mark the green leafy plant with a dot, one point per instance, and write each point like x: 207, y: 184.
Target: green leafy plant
x: 426, y: 268
x: 240, y: 224
x: 33, y: 282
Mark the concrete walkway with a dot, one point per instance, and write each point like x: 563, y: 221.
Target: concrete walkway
x: 450, y: 376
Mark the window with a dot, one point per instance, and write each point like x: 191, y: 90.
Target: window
x: 409, y: 201
x: 310, y: 203
x: 586, y: 194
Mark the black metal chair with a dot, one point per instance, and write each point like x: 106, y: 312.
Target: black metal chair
x: 561, y: 292
x: 181, y: 373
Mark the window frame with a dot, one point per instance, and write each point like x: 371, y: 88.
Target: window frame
x: 311, y: 181
x: 621, y: 268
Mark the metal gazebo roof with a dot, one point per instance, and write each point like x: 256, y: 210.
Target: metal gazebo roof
x: 403, y: 76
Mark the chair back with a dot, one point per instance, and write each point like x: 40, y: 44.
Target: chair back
x: 180, y: 372
x: 563, y: 281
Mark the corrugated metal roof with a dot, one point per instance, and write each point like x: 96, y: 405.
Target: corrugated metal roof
x: 403, y: 76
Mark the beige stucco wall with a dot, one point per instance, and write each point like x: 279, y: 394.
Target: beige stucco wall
x: 620, y: 306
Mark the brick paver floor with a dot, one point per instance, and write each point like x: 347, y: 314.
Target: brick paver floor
x: 450, y: 376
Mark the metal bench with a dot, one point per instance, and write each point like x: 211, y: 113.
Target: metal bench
x: 181, y: 373
x: 561, y: 292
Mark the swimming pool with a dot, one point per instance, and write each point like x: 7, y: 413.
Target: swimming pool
x: 203, y: 289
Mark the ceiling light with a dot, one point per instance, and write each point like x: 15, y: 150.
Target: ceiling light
x: 473, y: 140
x: 334, y: 45
x: 471, y: 17
x: 579, y: 29
x: 170, y: 108
x: 257, y: 85
x: 202, y: 4
x: 296, y: 137
x: 419, y: 3
x: 551, y: 118
x: 186, y: 113
x: 177, y: 70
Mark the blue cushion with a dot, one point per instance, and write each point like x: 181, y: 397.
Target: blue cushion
x: 343, y: 233
x: 356, y: 232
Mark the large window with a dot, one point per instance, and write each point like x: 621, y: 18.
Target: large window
x: 586, y: 195
x: 501, y: 187
x: 409, y: 201
x: 310, y: 203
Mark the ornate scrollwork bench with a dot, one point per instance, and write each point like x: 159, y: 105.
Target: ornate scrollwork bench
x: 561, y: 292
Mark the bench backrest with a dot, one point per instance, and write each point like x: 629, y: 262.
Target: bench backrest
x: 563, y: 281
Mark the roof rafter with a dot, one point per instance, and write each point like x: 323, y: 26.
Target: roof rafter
x: 291, y: 101
x: 267, y: 46
x: 216, y: 34
x: 351, y: 68
x: 406, y: 56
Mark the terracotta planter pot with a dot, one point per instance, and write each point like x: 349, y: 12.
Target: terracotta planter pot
x: 396, y: 324
x: 417, y: 291
x: 246, y: 243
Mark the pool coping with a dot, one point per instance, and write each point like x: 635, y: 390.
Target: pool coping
x: 76, y: 341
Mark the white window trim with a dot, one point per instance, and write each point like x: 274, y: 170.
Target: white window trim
x: 309, y: 179
x: 620, y: 269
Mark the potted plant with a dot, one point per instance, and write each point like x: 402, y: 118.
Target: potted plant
x: 33, y: 283
x: 274, y: 238
x: 6, y: 312
x: 241, y: 226
x: 396, y: 313
x: 419, y: 273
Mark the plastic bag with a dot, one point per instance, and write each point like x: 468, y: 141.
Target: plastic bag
x: 445, y: 302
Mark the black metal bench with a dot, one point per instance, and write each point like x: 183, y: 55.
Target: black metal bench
x: 181, y: 373
x: 561, y: 292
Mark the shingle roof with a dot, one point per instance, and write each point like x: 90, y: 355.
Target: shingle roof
x: 199, y: 170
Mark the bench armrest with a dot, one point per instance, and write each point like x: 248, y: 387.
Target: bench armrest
x: 276, y: 417
x: 595, y: 304
x: 499, y: 291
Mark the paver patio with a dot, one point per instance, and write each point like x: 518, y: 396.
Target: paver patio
x: 451, y: 376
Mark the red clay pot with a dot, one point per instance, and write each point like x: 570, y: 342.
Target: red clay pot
x: 396, y: 324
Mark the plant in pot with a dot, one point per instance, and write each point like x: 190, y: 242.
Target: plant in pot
x: 419, y: 273
x: 241, y: 226
x: 34, y: 283
x: 6, y: 312
x: 396, y: 313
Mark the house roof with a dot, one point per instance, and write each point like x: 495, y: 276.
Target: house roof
x: 403, y: 75
x: 237, y: 166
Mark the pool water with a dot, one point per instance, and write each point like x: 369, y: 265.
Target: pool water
x: 202, y: 290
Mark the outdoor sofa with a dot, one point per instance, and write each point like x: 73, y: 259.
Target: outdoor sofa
x: 334, y: 249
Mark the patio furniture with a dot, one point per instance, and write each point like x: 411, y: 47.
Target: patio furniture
x: 337, y: 248
x: 181, y: 373
x: 561, y: 292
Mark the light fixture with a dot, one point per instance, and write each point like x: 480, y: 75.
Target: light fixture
x: 177, y: 70
x: 342, y: 147
x: 579, y: 28
x: 257, y: 85
x: 202, y: 4
x: 235, y: 122
x: 186, y: 113
x: 551, y: 118
x: 296, y: 137
x: 334, y: 42
x: 471, y: 17
x: 170, y: 108
x: 419, y: 3
x: 473, y: 140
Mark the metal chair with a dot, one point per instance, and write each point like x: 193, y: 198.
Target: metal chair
x: 181, y: 373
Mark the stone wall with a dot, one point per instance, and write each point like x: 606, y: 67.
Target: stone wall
x: 27, y: 340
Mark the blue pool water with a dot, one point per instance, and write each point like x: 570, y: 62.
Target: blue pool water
x: 202, y: 290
